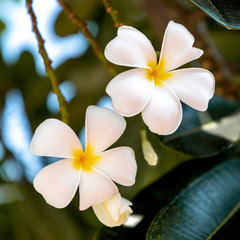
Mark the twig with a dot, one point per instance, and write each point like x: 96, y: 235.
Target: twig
x: 83, y: 28
x: 113, y: 13
x: 47, y: 62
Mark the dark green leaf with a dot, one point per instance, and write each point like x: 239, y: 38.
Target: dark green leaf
x: 198, y: 143
x: 226, y: 12
x: 150, y: 200
x: 202, y: 208
x: 218, y: 108
x: 206, y: 134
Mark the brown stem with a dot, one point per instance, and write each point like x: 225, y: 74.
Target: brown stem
x: 47, y: 62
x: 113, y: 13
x: 83, y: 28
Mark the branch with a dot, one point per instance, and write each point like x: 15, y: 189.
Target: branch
x: 47, y: 62
x: 83, y: 28
x: 113, y: 13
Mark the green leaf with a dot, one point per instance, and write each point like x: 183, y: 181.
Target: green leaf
x: 206, y: 134
x: 31, y: 218
x: 202, y: 208
x: 226, y: 12
x: 198, y: 143
x: 151, y: 199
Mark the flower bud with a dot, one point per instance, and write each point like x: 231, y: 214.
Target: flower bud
x: 149, y: 154
x: 114, y: 211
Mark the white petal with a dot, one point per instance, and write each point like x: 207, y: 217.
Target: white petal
x: 130, y: 48
x: 194, y: 86
x: 95, y: 188
x: 102, y: 215
x: 125, y: 206
x: 108, y: 211
x: 54, y: 138
x: 58, y: 183
x: 118, y: 164
x: 113, y: 205
x: 130, y: 91
x: 163, y: 113
x: 118, y: 208
x: 177, y: 47
x: 114, y: 211
x: 103, y: 128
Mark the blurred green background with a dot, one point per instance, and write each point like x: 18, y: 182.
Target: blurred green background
x: 26, y: 98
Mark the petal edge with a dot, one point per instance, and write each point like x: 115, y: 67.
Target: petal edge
x: 130, y: 48
x: 130, y: 91
x: 194, y: 86
x: 58, y: 183
x: 177, y: 47
x: 53, y: 138
x: 103, y: 128
x: 163, y: 114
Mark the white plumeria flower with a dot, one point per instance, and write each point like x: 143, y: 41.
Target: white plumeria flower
x: 91, y: 170
x: 114, y: 211
x: 155, y: 89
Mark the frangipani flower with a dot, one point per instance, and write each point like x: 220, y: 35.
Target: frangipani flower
x: 91, y: 170
x: 114, y: 211
x: 155, y: 89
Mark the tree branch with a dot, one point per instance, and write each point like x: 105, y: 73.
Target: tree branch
x: 83, y: 28
x: 113, y: 13
x: 47, y: 62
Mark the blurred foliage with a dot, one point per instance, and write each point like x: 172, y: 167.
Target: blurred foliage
x: 2, y: 26
x: 25, y: 215
x: 228, y: 45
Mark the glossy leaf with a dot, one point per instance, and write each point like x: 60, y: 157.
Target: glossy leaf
x: 206, y: 134
x: 225, y: 12
x: 202, y: 208
x: 198, y: 143
x: 151, y: 199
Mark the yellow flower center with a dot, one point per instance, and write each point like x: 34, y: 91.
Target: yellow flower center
x: 157, y: 73
x: 84, y: 160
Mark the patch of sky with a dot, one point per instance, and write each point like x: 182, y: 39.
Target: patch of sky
x: 68, y: 90
x: 18, y: 35
x: 16, y: 134
x: 82, y: 137
x: 106, y: 102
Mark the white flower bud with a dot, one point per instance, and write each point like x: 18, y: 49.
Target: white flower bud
x: 114, y: 211
x: 149, y: 154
